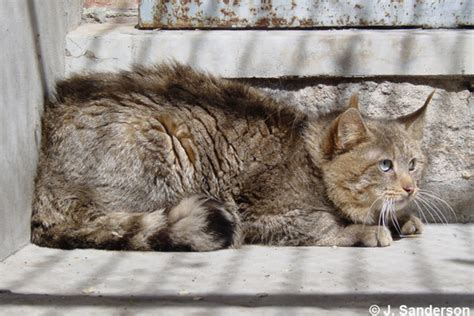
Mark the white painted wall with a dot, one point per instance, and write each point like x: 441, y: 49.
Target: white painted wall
x: 32, y: 40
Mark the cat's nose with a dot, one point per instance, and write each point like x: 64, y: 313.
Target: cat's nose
x: 409, y: 189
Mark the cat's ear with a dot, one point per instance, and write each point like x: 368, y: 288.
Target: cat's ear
x: 351, y: 129
x: 415, y: 122
x: 346, y: 131
x: 354, y: 101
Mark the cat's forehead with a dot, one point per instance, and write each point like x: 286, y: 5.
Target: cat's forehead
x: 392, y: 138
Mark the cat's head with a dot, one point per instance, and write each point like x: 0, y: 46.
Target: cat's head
x: 367, y: 163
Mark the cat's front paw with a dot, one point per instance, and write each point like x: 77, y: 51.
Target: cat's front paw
x: 375, y: 236
x: 413, y: 226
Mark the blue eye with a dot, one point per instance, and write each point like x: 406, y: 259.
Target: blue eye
x: 385, y: 165
x: 411, y: 164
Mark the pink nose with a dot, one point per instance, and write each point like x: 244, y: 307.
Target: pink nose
x: 409, y: 189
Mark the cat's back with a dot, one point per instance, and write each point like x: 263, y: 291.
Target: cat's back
x: 167, y: 126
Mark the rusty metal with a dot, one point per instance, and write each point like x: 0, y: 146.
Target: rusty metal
x: 176, y: 14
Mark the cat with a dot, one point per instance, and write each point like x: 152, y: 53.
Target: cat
x: 169, y: 158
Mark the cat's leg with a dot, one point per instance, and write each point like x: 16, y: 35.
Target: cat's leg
x: 359, y: 235
x: 312, y: 228
x: 65, y: 220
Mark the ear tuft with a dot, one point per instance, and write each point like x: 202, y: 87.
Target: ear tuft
x: 415, y: 122
x: 354, y: 101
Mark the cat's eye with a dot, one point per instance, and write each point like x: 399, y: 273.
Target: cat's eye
x: 411, y: 165
x: 385, y: 165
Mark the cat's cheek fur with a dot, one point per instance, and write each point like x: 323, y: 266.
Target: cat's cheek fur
x: 354, y: 203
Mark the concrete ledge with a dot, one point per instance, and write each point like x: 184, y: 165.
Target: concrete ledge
x: 270, y: 54
x: 434, y: 269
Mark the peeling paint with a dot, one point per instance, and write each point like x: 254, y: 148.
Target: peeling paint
x: 303, y: 13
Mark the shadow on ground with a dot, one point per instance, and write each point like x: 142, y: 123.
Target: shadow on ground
x: 323, y: 300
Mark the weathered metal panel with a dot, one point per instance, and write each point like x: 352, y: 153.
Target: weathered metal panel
x: 304, y: 13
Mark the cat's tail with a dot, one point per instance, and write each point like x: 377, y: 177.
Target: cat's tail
x: 196, y: 223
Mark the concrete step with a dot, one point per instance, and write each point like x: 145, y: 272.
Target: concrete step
x: 270, y: 54
x: 435, y: 269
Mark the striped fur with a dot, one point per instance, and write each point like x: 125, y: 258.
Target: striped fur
x: 171, y: 159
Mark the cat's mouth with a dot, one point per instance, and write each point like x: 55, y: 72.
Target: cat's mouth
x: 402, y: 201
x: 399, y: 202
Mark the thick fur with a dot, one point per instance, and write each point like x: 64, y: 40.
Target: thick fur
x: 169, y: 159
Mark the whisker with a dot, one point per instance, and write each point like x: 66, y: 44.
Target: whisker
x: 395, y: 220
x: 370, y: 209
x: 439, y: 200
x: 420, y: 211
x: 431, y: 210
x: 436, y: 208
x: 426, y: 209
x: 384, y: 220
x: 389, y: 211
x: 381, y: 215
x: 386, y: 212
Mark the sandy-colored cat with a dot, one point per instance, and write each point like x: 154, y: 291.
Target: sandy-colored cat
x: 172, y: 159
